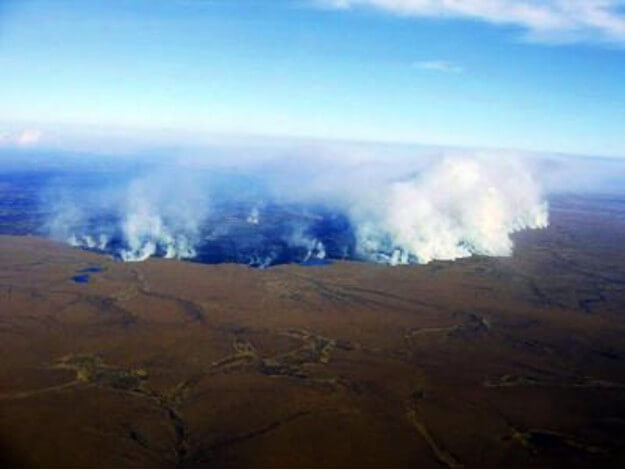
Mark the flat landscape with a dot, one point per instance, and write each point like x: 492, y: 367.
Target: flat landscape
x: 485, y: 361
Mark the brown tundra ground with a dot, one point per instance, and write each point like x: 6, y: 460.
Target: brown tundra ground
x: 514, y: 361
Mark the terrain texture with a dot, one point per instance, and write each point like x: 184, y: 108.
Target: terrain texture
x: 514, y: 361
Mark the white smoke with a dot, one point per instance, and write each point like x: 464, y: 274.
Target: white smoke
x: 65, y: 221
x: 88, y: 241
x: 397, y: 210
x: 162, y: 215
x: 458, y: 207
x: 158, y: 214
x: 314, y: 247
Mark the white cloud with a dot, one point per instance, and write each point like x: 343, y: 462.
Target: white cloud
x: 22, y: 138
x: 28, y: 137
x: 543, y: 20
x: 438, y: 66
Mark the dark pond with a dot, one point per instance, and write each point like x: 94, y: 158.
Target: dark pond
x: 81, y: 278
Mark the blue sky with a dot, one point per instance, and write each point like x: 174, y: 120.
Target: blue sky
x: 523, y: 74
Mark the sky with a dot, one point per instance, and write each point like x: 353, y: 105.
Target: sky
x: 535, y: 75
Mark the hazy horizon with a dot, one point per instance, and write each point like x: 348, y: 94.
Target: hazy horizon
x: 525, y: 75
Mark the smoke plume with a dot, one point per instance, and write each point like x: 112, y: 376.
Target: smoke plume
x: 456, y: 208
x: 395, y: 211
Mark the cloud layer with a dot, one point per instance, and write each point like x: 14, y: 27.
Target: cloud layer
x: 543, y: 20
x: 22, y: 138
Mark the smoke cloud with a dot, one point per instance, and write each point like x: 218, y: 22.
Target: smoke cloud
x: 162, y: 217
x: 158, y: 214
x: 399, y: 210
x: 456, y: 208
